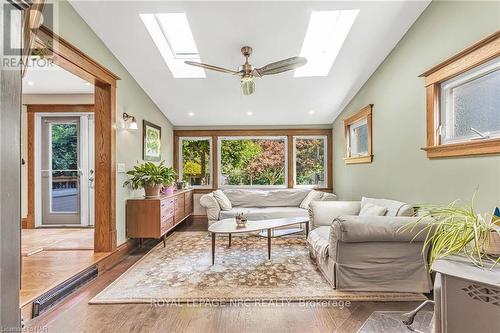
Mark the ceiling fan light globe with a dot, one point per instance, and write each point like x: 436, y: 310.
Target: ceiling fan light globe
x: 247, y: 86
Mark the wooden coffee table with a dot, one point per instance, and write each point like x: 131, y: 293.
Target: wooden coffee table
x: 228, y: 226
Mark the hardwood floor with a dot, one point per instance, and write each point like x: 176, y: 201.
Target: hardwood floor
x: 56, y: 239
x: 75, y: 315
x: 51, y: 256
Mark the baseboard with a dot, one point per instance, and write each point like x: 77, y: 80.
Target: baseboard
x: 117, y: 255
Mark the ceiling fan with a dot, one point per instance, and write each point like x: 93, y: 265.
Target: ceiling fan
x: 247, y: 72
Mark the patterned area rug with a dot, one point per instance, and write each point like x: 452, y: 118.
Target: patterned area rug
x: 182, y: 272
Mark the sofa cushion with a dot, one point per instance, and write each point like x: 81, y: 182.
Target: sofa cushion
x: 265, y: 213
x: 223, y: 201
x: 318, y: 242
x: 324, y: 212
x: 310, y: 197
x: 394, y: 208
x: 266, y: 198
x: 370, y: 209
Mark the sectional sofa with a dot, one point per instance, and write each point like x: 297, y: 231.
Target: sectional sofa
x: 261, y: 204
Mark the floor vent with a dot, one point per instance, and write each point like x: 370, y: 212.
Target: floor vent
x: 44, y: 302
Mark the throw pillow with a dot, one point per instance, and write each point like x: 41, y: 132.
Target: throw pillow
x: 370, y: 209
x: 310, y: 197
x: 223, y: 200
x: 328, y: 197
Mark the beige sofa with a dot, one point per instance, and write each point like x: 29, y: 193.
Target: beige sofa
x: 368, y: 253
x: 260, y: 204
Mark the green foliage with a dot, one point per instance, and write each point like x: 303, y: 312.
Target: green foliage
x: 150, y: 174
x: 310, y: 161
x: 64, y: 147
x: 196, y: 159
x: 191, y: 168
x: 454, y: 229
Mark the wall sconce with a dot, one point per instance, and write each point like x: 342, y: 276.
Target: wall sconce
x: 132, y: 123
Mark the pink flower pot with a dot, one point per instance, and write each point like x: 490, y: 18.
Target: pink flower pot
x: 169, y: 190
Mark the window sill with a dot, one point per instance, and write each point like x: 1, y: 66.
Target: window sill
x: 470, y: 148
x: 358, y: 159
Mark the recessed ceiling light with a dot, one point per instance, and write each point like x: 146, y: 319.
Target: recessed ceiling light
x: 88, y: 83
x: 249, y: 113
x: 325, y: 35
x: 190, y: 114
x: 173, y: 38
x: 31, y: 83
x: 311, y: 112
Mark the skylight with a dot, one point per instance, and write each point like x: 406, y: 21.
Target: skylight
x: 173, y: 38
x: 325, y: 35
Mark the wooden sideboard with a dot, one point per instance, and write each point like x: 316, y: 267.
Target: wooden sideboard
x: 153, y: 218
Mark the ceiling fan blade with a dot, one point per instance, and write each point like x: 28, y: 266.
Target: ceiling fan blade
x: 211, y: 67
x: 280, y: 66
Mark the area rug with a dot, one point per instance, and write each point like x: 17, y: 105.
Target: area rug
x: 182, y: 272
x: 390, y: 322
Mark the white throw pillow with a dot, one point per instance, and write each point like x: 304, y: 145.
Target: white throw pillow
x: 223, y: 200
x: 311, y: 196
x: 370, y: 209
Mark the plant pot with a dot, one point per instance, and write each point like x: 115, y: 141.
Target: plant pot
x: 153, y: 191
x: 492, y: 244
x: 169, y: 190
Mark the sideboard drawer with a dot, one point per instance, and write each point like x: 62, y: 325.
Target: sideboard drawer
x: 167, y: 209
x: 188, y: 203
x: 179, y: 208
x: 166, y: 225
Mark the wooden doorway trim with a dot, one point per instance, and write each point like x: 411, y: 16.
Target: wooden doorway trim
x: 31, y: 109
x: 67, y: 56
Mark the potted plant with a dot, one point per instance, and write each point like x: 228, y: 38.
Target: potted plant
x: 169, y: 176
x: 149, y: 176
x: 458, y: 230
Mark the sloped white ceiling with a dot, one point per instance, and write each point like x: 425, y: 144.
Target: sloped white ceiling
x: 275, y: 30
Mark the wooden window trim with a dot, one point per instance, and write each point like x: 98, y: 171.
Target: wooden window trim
x: 473, y: 56
x: 289, y: 133
x: 365, y: 112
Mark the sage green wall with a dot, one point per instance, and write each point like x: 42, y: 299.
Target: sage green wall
x: 400, y: 169
x: 130, y: 98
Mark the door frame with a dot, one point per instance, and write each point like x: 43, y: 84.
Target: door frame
x: 34, y: 183
x: 68, y: 57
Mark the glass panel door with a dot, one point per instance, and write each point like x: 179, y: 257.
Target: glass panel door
x: 60, y: 171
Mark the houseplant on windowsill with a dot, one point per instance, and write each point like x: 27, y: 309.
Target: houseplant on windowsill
x: 169, y: 176
x: 459, y: 230
x: 149, y: 176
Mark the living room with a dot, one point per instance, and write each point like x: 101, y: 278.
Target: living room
x: 336, y: 172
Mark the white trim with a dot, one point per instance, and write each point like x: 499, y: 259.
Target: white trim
x: 219, y: 160
x: 325, y: 165
x: 181, y: 160
x: 84, y: 169
x: 83, y: 138
x: 37, y: 164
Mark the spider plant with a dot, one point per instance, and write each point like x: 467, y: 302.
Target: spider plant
x: 455, y: 229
